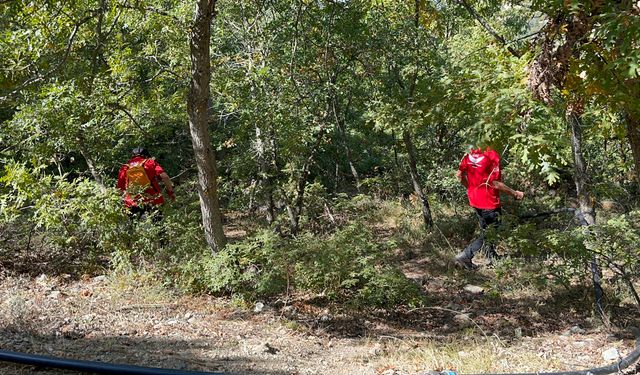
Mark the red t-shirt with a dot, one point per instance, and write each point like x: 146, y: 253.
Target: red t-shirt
x: 482, y: 168
x: 152, y: 194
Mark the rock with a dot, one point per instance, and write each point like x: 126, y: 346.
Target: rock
x: 376, y: 350
x: 289, y: 311
x: 55, y: 294
x: 100, y: 279
x: 474, y: 289
x: 611, y: 355
x: 577, y: 330
x: 259, y: 307
x: 463, y: 320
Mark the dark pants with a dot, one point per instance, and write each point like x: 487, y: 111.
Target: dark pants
x: 143, y: 212
x: 488, y: 219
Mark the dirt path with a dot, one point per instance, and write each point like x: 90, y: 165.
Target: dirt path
x: 97, y: 319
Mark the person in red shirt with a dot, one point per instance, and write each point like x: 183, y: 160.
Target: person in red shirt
x: 479, y: 172
x: 146, y: 195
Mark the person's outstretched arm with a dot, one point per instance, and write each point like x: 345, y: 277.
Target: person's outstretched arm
x: 166, y: 180
x: 501, y: 186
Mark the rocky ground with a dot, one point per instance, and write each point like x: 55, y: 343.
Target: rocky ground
x: 466, y: 329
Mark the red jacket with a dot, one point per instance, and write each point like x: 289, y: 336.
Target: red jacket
x: 153, y: 194
x: 482, y: 168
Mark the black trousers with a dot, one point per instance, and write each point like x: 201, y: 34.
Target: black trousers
x: 487, y: 219
x: 138, y: 212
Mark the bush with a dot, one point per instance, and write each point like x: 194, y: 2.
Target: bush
x: 72, y: 221
x: 346, y: 266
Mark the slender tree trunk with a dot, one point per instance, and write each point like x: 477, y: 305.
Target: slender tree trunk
x: 296, y: 210
x: 415, y: 179
x: 343, y: 132
x: 197, y: 108
x: 90, y: 163
x: 633, y: 134
x: 587, y: 213
x: 82, y: 145
x: 266, y: 182
x: 581, y: 177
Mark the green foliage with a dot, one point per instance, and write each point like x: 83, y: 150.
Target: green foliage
x: 344, y: 267
x: 69, y: 217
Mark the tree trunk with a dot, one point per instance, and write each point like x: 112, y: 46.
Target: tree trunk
x: 197, y: 108
x: 296, y: 210
x: 415, y: 179
x: 633, y: 134
x: 266, y: 183
x: 91, y: 164
x: 581, y: 177
x: 343, y: 132
x: 587, y: 213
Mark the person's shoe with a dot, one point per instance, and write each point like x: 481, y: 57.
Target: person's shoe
x: 465, y: 262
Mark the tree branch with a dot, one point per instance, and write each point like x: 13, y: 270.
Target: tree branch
x: 488, y: 27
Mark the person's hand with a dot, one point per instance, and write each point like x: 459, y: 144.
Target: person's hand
x: 172, y: 195
x: 518, y: 195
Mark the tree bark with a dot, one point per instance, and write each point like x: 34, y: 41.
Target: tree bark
x: 581, y: 177
x: 633, y: 134
x: 265, y: 172
x: 296, y: 210
x: 415, y: 179
x: 198, y: 111
x: 586, y: 213
x: 90, y: 163
x: 343, y: 132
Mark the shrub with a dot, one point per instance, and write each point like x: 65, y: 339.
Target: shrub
x: 346, y: 266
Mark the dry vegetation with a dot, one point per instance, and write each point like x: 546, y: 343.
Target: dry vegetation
x: 508, y: 327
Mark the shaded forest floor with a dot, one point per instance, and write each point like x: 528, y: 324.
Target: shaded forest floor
x: 498, y: 326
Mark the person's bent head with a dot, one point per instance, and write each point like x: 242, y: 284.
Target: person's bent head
x: 140, y: 151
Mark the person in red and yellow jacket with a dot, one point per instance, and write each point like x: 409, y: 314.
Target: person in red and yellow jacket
x: 138, y: 180
x: 479, y: 172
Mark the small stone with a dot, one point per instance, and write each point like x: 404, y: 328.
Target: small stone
x: 100, y: 279
x: 259, y: 307
x: 474, y: 289
x: 376, y: 350
x: 289, y: 311
x: 577, y: 330
x: 611, y: 355
x: 463, y: 320
x: 55, y: 294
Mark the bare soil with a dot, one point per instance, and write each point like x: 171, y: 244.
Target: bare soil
x: 130, y: 322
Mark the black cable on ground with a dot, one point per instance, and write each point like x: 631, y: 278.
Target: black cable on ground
x: 611, y: 369
x: 90, y: 366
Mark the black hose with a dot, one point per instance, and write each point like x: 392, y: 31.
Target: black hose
x: 90, y: 366
x: 614, y: 368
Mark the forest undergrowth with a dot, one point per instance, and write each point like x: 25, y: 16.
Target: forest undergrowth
x: 368, y: 281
